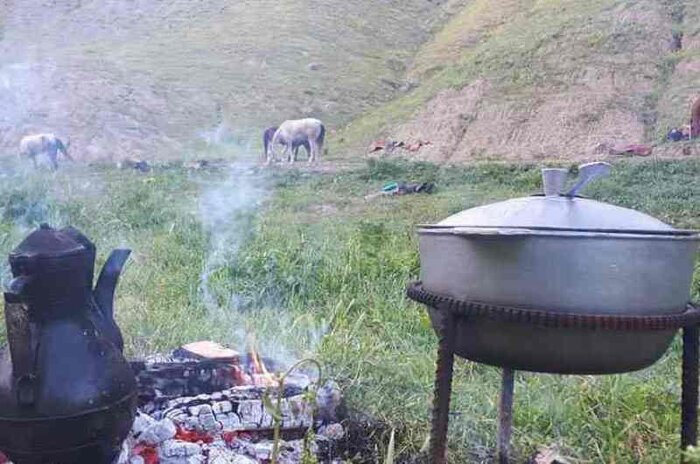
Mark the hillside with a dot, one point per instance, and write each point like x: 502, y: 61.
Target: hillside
x: 149, y: 78
x: 479, y: 79
x: 555, y: 79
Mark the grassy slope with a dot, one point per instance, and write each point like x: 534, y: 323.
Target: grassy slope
x: 145, y: 77
x: 681, y: 83
x: 320, y: 256
x: 562, y: 76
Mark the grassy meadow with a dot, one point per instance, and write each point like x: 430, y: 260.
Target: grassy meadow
x: 306, y: 264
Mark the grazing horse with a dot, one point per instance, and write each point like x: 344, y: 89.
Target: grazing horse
x: 270, y: 133
x: 32, y: 146
x: 299, y: 131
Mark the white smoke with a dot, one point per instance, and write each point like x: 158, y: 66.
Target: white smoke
x: 227, y: 211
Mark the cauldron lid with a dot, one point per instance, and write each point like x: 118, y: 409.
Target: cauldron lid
x: 47, y: 243
x: 557, y: 211
x: 540, y: 212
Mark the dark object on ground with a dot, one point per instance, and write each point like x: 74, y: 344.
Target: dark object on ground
x: 633, y: 149
x: 389, y: 145
x: 139, y: 165
x: 403, y: 188
x: 212, y: 164
x: 676, y: 41
x: 423, y: 187
x: 675, y: 135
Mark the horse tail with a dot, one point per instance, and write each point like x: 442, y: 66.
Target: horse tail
x: 320, y: 139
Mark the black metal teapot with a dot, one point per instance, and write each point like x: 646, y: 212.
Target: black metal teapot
x: 67, y: 395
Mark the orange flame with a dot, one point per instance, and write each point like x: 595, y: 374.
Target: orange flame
x: 260, y: 375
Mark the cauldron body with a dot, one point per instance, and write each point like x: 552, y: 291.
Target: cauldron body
x: 559, y: 254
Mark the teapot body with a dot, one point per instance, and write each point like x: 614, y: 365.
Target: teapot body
x: 67, y: 394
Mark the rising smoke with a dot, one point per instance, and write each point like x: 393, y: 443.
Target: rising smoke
x: 228, y: 212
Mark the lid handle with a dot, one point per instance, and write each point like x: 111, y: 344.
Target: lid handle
x: 553, y: 181
x: 587, y: 173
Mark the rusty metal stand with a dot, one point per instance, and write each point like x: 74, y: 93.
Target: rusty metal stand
x: 443, y: 390
x: 505, y: 415
x: 451, y: 310
x: 689, y: 398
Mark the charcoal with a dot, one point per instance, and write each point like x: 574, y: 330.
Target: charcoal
x: 179, y: 449
x: 158, y: 432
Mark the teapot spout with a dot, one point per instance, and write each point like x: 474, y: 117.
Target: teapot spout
x: 104, y: 291
x: 107, y: 282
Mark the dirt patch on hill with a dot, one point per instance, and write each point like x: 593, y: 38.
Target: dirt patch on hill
x: 444, y: 121
x: 574, y: 95
x: 477, y: 122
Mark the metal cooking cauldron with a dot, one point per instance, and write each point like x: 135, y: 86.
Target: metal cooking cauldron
x: 67, y: 395
x: 559, y: 253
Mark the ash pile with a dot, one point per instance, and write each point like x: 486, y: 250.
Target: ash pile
x: 204, y: 403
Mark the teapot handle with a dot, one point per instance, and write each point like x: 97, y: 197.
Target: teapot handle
x: 19, y: 335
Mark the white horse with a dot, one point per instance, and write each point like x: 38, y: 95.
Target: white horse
x: 295, y: 132
x: 49, y: 145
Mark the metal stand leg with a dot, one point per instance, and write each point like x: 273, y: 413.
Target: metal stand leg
x: 443, y: 390
x: 505, y: 415
x: 689, y: 399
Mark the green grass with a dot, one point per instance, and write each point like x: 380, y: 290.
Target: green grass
x: 320, y: 271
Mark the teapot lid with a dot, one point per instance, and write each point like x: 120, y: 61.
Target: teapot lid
x: 47, y: 249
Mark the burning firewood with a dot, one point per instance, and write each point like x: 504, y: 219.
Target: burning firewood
x: 261, y: 415
x: 210, y: 350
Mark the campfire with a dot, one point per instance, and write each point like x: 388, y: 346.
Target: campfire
x: 204, y: 403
